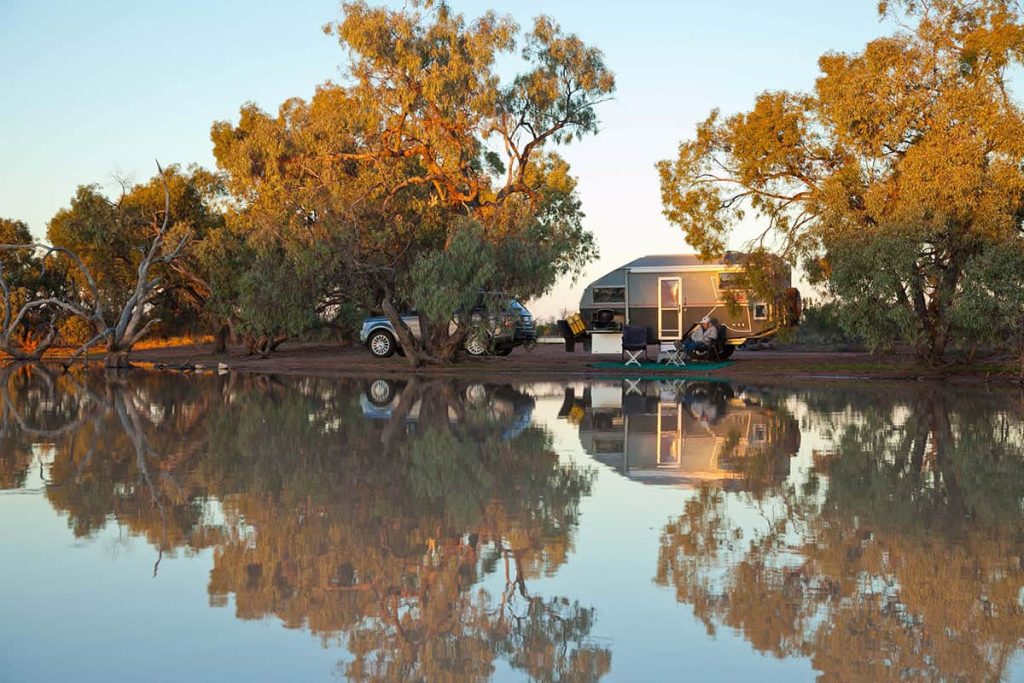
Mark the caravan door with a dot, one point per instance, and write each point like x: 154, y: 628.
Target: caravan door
x: 670, y: 308
x: 670, y: 434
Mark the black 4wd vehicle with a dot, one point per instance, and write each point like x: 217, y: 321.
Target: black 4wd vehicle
x: 494, y: 333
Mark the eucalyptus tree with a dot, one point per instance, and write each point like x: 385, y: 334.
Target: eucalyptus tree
x: 895, y: 177
x: 424, y: 172
x: 111, y: 234
x: 121, y: 312
x: 26, y: 332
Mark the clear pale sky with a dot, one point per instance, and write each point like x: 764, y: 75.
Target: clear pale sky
x: 93, y: 90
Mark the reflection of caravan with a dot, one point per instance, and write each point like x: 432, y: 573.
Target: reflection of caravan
x: 685, y: 433
x: 669, y: 294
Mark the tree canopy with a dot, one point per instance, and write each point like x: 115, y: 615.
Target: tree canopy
x: 423, y: 154
x: 109, y: 236
x: 894, y: 175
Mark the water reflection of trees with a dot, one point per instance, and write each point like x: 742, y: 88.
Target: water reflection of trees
x: 900, y: 555
x: 36, y: 408
x: 371, y: 525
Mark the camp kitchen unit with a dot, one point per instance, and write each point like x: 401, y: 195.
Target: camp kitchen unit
x: 668, y: 294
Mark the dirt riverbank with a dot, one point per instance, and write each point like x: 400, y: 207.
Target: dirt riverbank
x: 552, y: 361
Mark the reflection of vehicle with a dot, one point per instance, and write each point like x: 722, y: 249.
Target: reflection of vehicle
x: 380, y: 392
x: 496, y: 333
x: 683, y: 432
x: 489, y: 404
x: 380, y: 398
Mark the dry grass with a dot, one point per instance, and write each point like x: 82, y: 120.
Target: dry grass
x: 60, y: 350
x: 184, y: 340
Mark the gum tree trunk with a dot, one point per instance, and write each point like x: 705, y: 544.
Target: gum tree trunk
x: 221, y: 341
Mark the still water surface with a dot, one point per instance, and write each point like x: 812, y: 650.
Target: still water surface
x: 168, y: 528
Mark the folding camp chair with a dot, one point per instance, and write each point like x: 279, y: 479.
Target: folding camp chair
x: 634, y: 344
x: 670, y: 355
x: 718, y: 350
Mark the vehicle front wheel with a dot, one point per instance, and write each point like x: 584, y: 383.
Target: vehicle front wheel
x: 381, y: 344
x: 380, y: 392
x: 476, y: 344
x: 476, y: 394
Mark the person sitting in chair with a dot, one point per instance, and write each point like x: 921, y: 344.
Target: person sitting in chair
x: 702, y: 337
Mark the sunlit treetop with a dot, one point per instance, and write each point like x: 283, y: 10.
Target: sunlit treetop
x: 429, y: 89
x: 918, y: 131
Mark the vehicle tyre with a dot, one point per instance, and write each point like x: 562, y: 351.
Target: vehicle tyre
x: 381, y: 344
x: 380, y: 392
x: 503, y: 351
x: 476, y: 344
x: 727, y: 351
x: 476, y: 394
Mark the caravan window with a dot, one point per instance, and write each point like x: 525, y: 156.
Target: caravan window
x: 730, y: 280
x: 609, y: 295
x: 760, y: 311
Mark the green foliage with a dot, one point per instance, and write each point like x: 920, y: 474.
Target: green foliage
x: 273, y: 296
x: 76, y: 331
x: 823, y: 323
x: 444, y: 281
x: 110, y: 236
x: 865, y: 278
x: 16, y: 265
x: 989, y: 309
x: 222, y: 258
x: 28, y: 276
x: 875, y: 282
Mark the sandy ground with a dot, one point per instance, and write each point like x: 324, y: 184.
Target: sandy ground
x: 552, y: 361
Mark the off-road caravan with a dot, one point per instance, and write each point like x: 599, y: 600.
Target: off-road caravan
x: 668, y: 294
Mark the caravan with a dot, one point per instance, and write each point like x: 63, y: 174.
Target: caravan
x: 668, y: 294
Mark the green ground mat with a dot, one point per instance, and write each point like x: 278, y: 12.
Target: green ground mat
x: 691, y: 366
